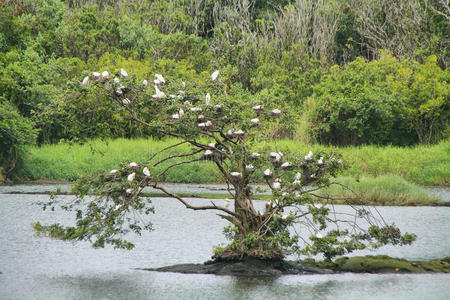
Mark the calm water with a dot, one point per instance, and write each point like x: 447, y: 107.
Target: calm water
x: 40, y: 268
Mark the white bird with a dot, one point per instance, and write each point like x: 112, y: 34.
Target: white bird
x: 131, y: 177
x: 276, y: 112
x: 214, y: 75
x: 218, y: 106
x: 133, y: 165
x: 187, y: 103
x: 157, y: 81
x: 318, y: 205
x: 255, y: 154
x: 123, y: 73
x: 309, y: 155
x: 105, y: 74
x: 96, y: 75
x: 85, y: 80
x: 172, y: 96
x: 160, y: 78
x: 276, y: 156
x: 183, y: 84
x: 267, y: 173
x: 201, y: 125
x: 236, y: 174
x: 145, y: 82
x: 126, y: 101
x: 208, y: 152
x: 238, y: 132
x: 286, y: 165
x: 181, y: 112
x: 249, y: 168
x: 230, y: 132
x: 119, y: 92
x: 212, y: 145
x: 146, y: 171
x: 196, y: 109
x: 227, y: 202
x: 128, y: 191
x: 257, y: 107
x: 319, y: 235
x: 298, y: 175
x: 159, y: 94
x: 254, y: 121
x: 112, y: 172
x: 208, y: 99
x: 320, y: 161
x: 176, y: 116
x: 276, y: 185
x: 284, y: 217
x: 208, y: 123
x: 116, y: 80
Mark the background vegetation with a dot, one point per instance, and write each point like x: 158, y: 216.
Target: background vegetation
x: 345, y: 72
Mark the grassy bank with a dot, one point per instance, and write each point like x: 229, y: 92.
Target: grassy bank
x: 423, y: 165
x: 382, y: 190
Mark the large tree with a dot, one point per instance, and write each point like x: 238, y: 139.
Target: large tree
x: 221, y: 131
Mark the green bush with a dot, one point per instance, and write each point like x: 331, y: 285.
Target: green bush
x: 15, y: 133
x: 382, y: 102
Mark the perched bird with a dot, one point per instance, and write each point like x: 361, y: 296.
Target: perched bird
x: 309, y: 156
x: 123, y: 73
x: 236, y: 174
x: 160, y: 78
x: 146, y: 171
x: 85, y: 81
x: 214, y: 75
x: 131, y: 177
x: 126, y: 101
x: 145, y: 82
x: 208, y: 99
x: 105, y: 74
x: 96, y: 75
x: 159, y: 94
x: 267, y: 173
x: 133, y: 165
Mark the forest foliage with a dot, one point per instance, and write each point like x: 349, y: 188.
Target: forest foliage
x: 349, y: 72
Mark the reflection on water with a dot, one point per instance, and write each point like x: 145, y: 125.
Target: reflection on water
x: 41, y: 268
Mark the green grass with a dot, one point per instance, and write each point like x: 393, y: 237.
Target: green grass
x: 382, y: 190
x: 424, y: 165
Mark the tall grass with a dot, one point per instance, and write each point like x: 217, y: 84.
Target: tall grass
x: 425, y: 165
x: 382, y: 190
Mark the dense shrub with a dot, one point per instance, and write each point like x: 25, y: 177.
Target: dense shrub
x: 15, y: 132
x: 384, y: 101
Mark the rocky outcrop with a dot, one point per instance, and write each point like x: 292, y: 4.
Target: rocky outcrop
x: 247, y: 267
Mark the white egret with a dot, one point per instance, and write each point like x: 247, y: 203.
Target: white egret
x: 207, y: 99
x: 85, y: 80
x: 196, y: 109
x: 208, y: 124
x: 249, y: 168
x: 112, y: 172
x: 145, y: 82
x: 276, y: 112
x: 176, y: 116
x: 267, y: 173
x: 116, y: 80
x: 319, y: 235
x: 105, y: 74
x: 133, y: 165
x: 320, y: 161
x: 286, y: 165
x: 255, y: 154
x: 236, y: 174
x: 181, y: 112
x: 146, y: 171
x: 126, y: 101
x: 159, y: 94
x: 212, y: 145
x: 276, y: 185
x: 208, y: 152
x: 131, y: 177
x: 254, y: 121
x: 309, y: 156
x: 257, y: 107
x: 160, y: 78
x: 123, y: 73
x: 214, y: 75
x: 238, y: 132
x: 96, y: 75
x: 128, y: 191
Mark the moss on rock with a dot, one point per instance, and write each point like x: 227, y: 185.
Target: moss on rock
x: 382, y: 264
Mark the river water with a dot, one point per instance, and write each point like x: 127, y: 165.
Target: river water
x: 41, y: 268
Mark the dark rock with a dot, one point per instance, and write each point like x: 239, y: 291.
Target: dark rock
x: 247, y: 267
